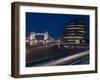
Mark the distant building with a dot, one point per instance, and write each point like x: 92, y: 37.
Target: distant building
x: 37, y: 38
x: 74, y: 35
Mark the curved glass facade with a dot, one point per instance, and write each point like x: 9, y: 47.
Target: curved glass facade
x: 74, y: 34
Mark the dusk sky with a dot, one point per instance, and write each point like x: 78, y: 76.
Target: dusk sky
x: 53, y: 23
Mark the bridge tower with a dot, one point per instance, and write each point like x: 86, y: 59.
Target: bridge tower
x: 32, y: 38
x: 46, y: 36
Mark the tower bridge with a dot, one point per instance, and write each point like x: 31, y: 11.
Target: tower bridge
x: 39, y: 38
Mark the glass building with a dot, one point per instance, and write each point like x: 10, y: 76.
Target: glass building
x: 74, y: 35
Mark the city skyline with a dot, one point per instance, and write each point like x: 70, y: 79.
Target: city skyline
x: 53, y: 23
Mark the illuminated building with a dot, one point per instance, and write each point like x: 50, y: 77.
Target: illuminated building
x: 74, y: 35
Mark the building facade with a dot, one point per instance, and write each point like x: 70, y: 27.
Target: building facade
x: 74, y: 35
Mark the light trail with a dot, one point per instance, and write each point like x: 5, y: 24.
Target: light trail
x: 66, y: 59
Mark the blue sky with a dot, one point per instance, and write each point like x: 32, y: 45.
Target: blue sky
x: 53, y: 23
